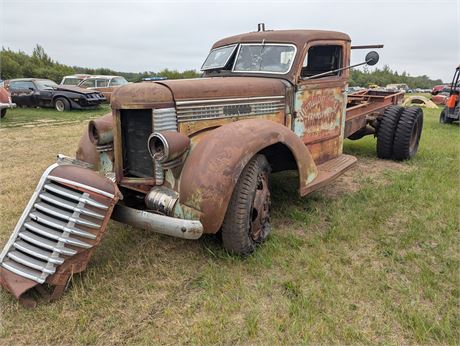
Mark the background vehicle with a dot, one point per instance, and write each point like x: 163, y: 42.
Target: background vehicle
x: 104, y: 84
x: 451, y: 112
x: 194, y: 157
x: 439, y: 89
x: 35, y: 92
x: 74, y: 79
x: 5, y: 101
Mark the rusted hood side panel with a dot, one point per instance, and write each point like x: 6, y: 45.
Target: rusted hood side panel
x: 217, y: 160
x: 223, y: 87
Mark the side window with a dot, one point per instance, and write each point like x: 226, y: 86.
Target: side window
x: 101, y: 83
x: 21, y: 85
x: 118, y: 81
x: 88, y: 83
x: 321, y: 59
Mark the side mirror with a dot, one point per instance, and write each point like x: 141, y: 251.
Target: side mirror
x: 372, y: 58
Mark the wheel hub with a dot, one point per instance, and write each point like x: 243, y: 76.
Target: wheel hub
x: 260, y: 215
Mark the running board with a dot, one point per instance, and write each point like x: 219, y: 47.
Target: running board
x: 329, y: 171
x: 55, y: 236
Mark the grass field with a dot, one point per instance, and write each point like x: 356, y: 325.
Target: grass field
x: 372, y: 258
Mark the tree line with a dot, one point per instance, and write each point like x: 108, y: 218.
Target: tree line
x: 41, y: 65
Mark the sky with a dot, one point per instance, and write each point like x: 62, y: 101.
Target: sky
x: 420, y: 37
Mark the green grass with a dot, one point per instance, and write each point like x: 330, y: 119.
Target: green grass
x: 372, y: 258
x: 48, y: 116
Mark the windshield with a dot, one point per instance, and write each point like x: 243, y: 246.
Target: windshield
x: 218, y: 57
x: 45, y: 84
x: 271, y: 58
x: 71, y: 81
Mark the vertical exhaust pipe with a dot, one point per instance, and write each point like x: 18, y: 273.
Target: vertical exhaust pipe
x: 261, y: 27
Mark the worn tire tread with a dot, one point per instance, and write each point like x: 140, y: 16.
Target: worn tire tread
x: 386, y: 131
x: 403, y: 133
x: 235, y: 235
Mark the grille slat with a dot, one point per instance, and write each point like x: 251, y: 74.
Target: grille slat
x: 67, y: 205
x: 60, y: 225
x: 65, y: 192
x: 30, y: 262
x: 23, y: 271
x: 52, y: 234
x: 37, y: 252
x: 45, y: 243
x: 46, y: 208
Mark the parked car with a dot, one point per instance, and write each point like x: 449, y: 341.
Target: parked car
x: 74, y: 79
x: 439, y: 89
x: 397, y: 87
x: 35, y: 92
x: 104, y: 84
x: 5, y: 101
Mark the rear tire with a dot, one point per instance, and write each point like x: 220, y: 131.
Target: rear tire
x: 247, y: 220
x: 408, y: 133
x: 444, y: 119
x: 3, y: 113
x: 61, y: 104
x: 386, y: 131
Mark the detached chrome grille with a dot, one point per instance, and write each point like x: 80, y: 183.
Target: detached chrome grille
x: 228, y: 108
x: 59, y: 221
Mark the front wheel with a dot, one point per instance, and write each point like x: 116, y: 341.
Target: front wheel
x: 444, y: 119
x: 3, y: 113
x: 247, y: 221
x: 61, y: 104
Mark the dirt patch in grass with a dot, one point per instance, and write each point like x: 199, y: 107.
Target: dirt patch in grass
x: 365, y: 170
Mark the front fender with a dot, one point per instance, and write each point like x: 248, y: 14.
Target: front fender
x: 217, y: 160
x: 87, y: 151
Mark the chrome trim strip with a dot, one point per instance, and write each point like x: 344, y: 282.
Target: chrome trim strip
x: 179, y: 103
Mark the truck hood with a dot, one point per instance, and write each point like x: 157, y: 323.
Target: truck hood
x: 166, y: 93
x: 223, y: 87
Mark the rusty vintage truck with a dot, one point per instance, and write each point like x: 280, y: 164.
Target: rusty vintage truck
x: 193, y: 157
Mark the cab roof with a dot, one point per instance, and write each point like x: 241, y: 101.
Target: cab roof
x: 297, y: 37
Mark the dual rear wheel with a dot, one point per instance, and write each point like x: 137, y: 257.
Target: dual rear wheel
x: 399, y: 133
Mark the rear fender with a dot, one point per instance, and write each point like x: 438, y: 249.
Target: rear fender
x: 218, y: 158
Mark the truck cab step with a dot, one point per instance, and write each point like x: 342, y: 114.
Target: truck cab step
x: 329, y: 171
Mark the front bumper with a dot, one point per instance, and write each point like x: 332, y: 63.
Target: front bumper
x: 7, y: 105
x: 180, y: 228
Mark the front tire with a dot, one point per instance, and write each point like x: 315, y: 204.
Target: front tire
x: 3, y: 113
x: 247, y: 220
x: 444, y: 119
x: 61, y: 104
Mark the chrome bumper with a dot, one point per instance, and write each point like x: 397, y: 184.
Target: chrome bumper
x: 7, y: 105
x: 180, y: 228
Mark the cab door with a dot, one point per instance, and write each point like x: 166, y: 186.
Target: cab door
x: 320, y: 102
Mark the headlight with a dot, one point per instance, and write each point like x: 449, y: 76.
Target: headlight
x: 166, y: 146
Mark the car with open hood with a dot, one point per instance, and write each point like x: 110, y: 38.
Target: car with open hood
x: 36, y: 92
